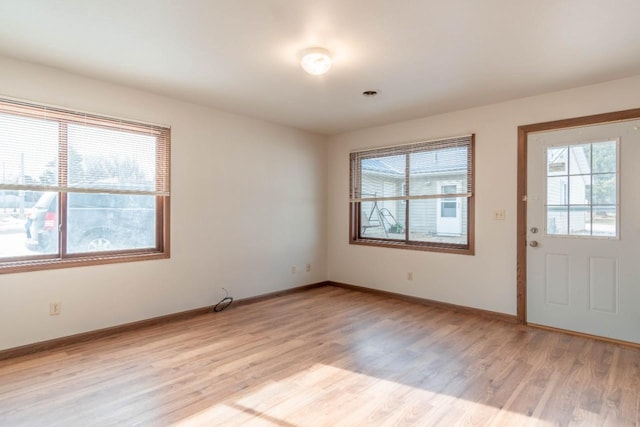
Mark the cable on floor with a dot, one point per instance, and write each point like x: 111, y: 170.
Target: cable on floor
x: 224, y: 302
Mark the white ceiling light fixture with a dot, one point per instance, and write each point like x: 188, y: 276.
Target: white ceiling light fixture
x: 315, y: 60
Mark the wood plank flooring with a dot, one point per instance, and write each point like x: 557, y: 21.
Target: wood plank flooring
x: 326, y: 357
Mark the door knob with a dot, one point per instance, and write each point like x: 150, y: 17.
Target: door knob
x: 533, y: 243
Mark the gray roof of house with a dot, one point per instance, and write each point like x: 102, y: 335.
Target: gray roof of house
x: 425, y: 162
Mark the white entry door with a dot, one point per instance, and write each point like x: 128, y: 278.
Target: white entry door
x: 583, y: 230
x: 449, y: 210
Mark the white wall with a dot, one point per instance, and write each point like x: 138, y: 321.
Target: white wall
x: 248, y: 202
x: 273, y: 196
x: 488, y: 279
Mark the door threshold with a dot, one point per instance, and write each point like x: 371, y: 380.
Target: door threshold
x: 581, y: 334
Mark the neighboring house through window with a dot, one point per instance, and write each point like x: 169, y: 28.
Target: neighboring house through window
x: 416, y: 196
x: 78, y: 189
x: 582, y: 189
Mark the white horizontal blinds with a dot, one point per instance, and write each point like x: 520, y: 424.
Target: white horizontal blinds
x: 412, y: 171
x: 45, y: 149
x: 28, y: 152
x: 383, y: 177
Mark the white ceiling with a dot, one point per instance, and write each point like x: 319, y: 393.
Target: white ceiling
x: 423, y: 56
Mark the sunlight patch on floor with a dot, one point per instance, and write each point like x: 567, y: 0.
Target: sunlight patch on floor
x: 327, y: 395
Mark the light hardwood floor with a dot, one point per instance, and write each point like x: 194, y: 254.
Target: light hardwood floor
x: 326, y: 357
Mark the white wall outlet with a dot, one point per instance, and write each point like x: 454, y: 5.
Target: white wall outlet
x: 498, y: 214
x: 410, y: 275
x: 294, y: 270
x: 55, y: 308
x: 308, y: 268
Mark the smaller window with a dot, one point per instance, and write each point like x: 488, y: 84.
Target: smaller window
x: 582, y: 190
x: 414, y: 196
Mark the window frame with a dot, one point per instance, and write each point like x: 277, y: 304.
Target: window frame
x: 355, y: 204
x: 62, y: 259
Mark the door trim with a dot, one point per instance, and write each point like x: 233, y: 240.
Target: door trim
x: 523, y: 134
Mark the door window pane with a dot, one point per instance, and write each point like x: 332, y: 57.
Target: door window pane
x: 604, y: 221
x: 580, y: 159
x: 581, y: 198
x: 557, y: 163
x: 604, y: 157
x: 604, y: 189
x: 557, y: 190
x: 580, y: 220
x: 557, y: 219
x: 580, y: 190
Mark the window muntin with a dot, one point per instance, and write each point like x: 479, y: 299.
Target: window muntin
x: 77, y: 188
x: 417, y: 196
x: 582, y: 190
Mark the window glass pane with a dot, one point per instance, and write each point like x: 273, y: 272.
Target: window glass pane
x: 107, y: 158
x: 580, y: 190
x: 557, y: 161
x: 604, y: 221
x: 580, y: 220
x: 427, y: 167
x: 557, y: 219
x: 33, y: 233
x: 428, y: 224
x: 383, y: 176
x: 382, y: 220
x: 580, y: 161
x: 422, y: 214
x: 604, y: 157
x: 107, y: 222
x: 604, y: 189
x: 557, y: 190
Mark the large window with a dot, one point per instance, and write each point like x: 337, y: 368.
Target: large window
x: 415, y: 196
x: 79, y: 189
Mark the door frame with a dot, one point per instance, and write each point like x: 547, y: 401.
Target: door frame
x: 523, y: 135
x: 458, y: 217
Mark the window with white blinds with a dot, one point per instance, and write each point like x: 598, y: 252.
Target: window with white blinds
x: 417, y: 196
x: 78, y: 187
